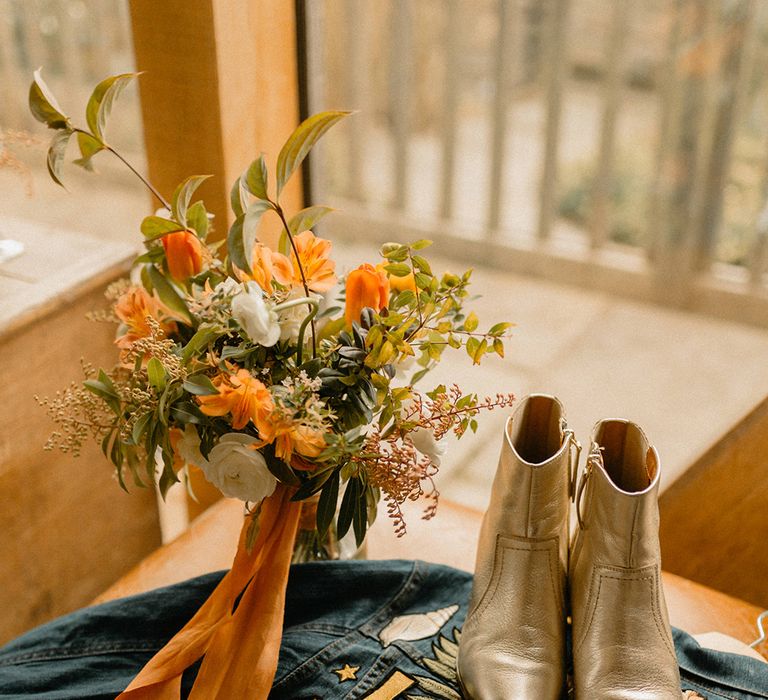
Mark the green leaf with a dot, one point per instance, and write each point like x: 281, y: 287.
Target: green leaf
x: 197, y: 218
x: 398, y: 269
x: 168, y: 477
x: 104, y: 392
x: 44, y: 106
x: 203, y: 336
x: 156, y: 226
x: 89, y: 147
x: 101, y: 100
x: 282, y: 472
x: 255, y: 178
x: 420, y: 245
x: 499, y: 328
x: 360, y: 518
x: 422, y: 264
x: 307, y: 218
x: 168, y: 294
x: 422, y: 281
x: 156, y: 373
x: 56, y: 153
x: 326, y: 505
x: 299, y: 143
x: 140, y: 426
x: 347, y: 509
x: 200, y: 385
x: 498, y: 347
x: 242, y: 235
x: 395, y: 252
x: 183, y: 195
x: 471, y: 323
x: 237, y: 198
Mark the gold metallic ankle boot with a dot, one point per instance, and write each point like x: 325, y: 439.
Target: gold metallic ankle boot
x: 622, y: 642
x: 513, y: 642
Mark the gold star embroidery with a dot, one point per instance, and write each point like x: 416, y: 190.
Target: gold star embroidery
x: 348, y: 673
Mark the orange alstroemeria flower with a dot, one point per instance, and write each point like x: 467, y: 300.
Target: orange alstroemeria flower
x: 267, y: 267
x: 314, y: 254
x: 242, y: 395
x: 366, y: 286
x: 133, y: 308
x: 183, y: 253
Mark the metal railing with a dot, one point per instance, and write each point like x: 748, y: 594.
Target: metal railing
x: 620, y: 146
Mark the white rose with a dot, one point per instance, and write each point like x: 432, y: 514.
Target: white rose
x: 188, y: 447
x: 256, y: 316
x: 239, y: 471
x: 423, y: 440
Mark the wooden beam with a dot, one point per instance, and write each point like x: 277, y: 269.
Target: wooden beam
x: 220, y: 87
x: 714, y: 527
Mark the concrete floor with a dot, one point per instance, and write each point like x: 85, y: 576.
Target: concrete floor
x: 684, y: 378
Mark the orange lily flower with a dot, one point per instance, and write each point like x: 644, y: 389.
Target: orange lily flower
x: 366, y: 286
x: 269, y: 266
x: 242, y: 395
x: 133, y: 308
x: 183, y: 253
x: 314, y: 254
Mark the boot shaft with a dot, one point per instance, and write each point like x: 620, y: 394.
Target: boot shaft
x: 531, y: 489
x: 617, y: 499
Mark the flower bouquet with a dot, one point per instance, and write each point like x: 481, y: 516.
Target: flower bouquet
x: 282, y: 382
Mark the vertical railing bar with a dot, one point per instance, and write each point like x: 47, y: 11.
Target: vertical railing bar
x: 558, y: 17
x: 499, y: 118
x: 317, y: 87
x: 730, y: 95
x: 401, y: 93
x: 670, y: 104
x: 11, y: 114
x: 758, y: 255
x: 704, y: 140
x: 614, y: 75
x: 355, y: 81
x: 70, y: 56
x: 451, y: 87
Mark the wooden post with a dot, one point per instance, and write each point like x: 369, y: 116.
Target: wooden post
x: 220, y: 87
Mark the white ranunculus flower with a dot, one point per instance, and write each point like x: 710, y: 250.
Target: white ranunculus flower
x: 188, y: 447
x: 292, y: 318
x: 239, y: 471
x: 228, y: 287
x: 256, y: 316
x: 423, y: 440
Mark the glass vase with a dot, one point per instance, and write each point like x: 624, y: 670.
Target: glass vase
x: 309, y: 546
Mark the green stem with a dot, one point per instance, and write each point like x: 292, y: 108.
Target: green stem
x: 307, y: 319
x: 146, y: 182
x: 279, y: 211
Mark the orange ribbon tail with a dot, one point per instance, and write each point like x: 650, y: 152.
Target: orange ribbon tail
x: 240, y: 648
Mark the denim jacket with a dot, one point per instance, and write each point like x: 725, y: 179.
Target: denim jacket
x: 380, y: 630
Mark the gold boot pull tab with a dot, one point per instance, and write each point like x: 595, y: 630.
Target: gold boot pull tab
x: 595, y: 457
x: 574, y: 455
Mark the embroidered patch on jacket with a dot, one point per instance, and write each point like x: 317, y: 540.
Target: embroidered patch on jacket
x: 397, y: 682
x: 416, y: 626
x: 348, y: 673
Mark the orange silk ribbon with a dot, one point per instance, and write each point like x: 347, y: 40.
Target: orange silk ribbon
x: 240, y: 649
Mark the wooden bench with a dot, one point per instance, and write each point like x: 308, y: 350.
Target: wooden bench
x: 450, y: 538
